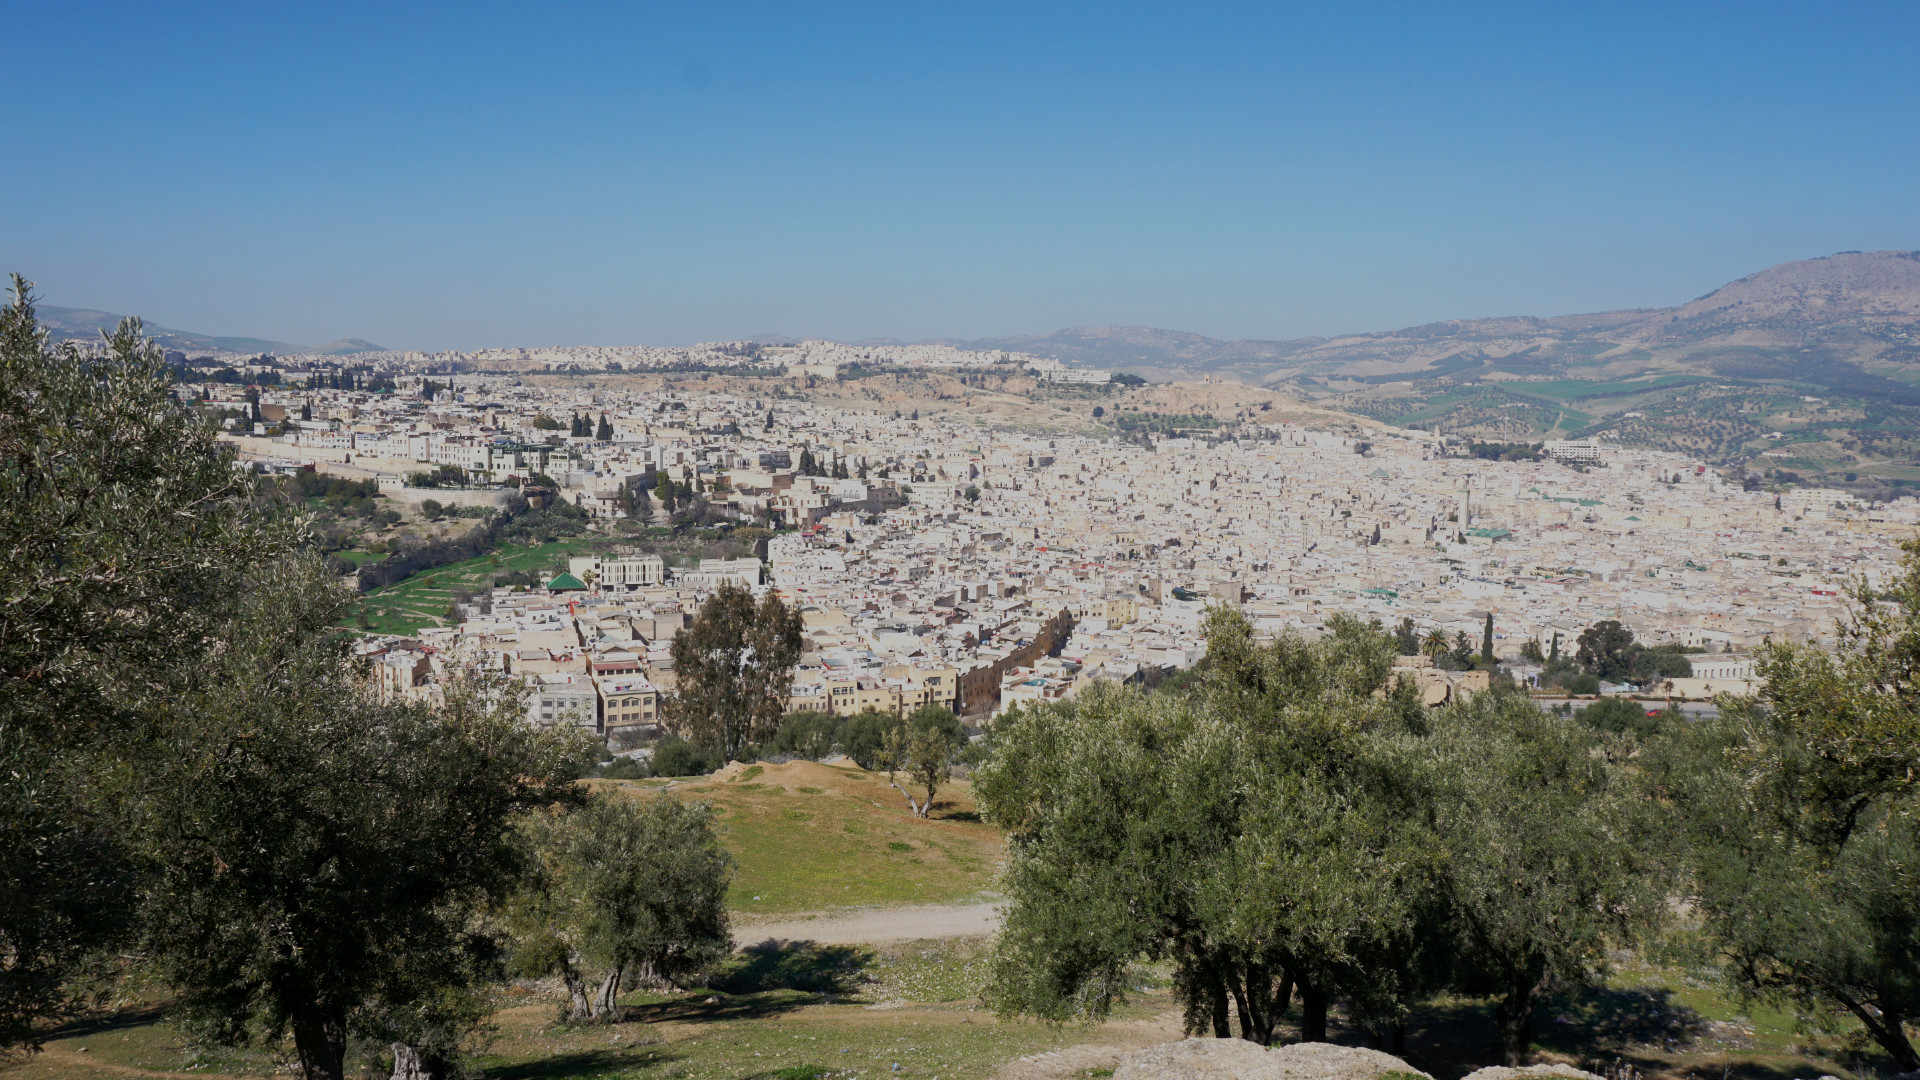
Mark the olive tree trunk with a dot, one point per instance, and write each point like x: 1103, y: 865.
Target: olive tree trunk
x: 580, y: 1007
x: 605, y: 1003
x: 1313, y: 1013
x: 1888, y: 1028
x: 320, y: 1039
x: 408, y: 1065
x: 1514, y: 1014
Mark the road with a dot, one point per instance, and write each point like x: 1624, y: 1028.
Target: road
x: 1692, y: 710
x: 871, y: 926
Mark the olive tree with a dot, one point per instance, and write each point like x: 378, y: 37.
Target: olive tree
x: 1803, y: 807
x: 624, y: 885
x: 1299, y: 826
x: 1257, y: 833
x: 1549, y: 854
x: 923, y: 753
x: 121, y: 524
x: 315, y: 858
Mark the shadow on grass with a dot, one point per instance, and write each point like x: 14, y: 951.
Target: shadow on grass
x: 1608, y: 1021
x: 794, y: 965
x: 1603, y: 1025
x: 580, y: 1063
x: 1601, y: 1028
x: 118, y: 1020
x: 701, y: 1007
x: 957, y: 815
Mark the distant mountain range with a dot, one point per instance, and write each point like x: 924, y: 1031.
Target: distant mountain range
x: 1827, y: 319
x: 1814, y: 317
x: 85, y: 324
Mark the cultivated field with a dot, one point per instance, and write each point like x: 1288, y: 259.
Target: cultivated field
x: 422, y: 599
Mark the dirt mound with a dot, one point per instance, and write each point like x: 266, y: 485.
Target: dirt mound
x: 793, y: 775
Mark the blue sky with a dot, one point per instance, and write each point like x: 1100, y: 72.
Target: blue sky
x: 465, y: 175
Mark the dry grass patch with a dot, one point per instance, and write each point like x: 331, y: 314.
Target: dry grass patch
x: 810, y: 837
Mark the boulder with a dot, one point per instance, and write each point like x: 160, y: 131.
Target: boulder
x: 1325, y: 1061
x: 1200, y: 1059
x: 1237, y: 1059
x: 1526, y: 1072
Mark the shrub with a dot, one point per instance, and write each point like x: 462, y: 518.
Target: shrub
x: 864, y: 736
x: 1618, y: 715
x: 806, y: 734
x: 674, y: 756
x: 624, y: 768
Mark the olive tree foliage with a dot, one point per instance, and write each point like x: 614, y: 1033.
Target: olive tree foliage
x: 622, y: 885
x: 1551, y: 854
x: 734, y: 669
x: 1284, y: 832
x: 315, y: 859
x: 1802, y: 804
x: 924, y: 754
x: 1255, y: 833
x: 121, y: 520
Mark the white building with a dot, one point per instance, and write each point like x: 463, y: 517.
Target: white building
x: 1586, y: 451
x: 563, y: 699
x: 628, y: 572
x: 713, y: 573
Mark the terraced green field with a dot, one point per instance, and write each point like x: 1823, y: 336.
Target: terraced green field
x: 422, y: 599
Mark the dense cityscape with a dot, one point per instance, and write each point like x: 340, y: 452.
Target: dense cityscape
x: 936, y: 562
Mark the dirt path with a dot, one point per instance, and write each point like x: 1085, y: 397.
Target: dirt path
x: 872, y: 926
x: 1071, y: 1062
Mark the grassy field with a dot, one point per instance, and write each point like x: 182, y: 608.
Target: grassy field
x: 810, y: 837
x: 798, y: 1011
x: 802, y: 1012
x: 421, y: 600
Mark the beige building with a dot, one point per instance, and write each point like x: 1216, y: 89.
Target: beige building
x: 898, y: 691
x: 627, y: 700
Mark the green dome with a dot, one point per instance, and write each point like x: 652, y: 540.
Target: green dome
x: 566, y: 583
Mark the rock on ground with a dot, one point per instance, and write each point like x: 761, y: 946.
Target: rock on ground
x: 1525, y: 1072
x: 1237, y: 1059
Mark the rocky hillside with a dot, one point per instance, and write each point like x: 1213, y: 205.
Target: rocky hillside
x: 1857, y: 291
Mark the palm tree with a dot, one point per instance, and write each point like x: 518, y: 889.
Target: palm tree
x: 1435, y: 643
